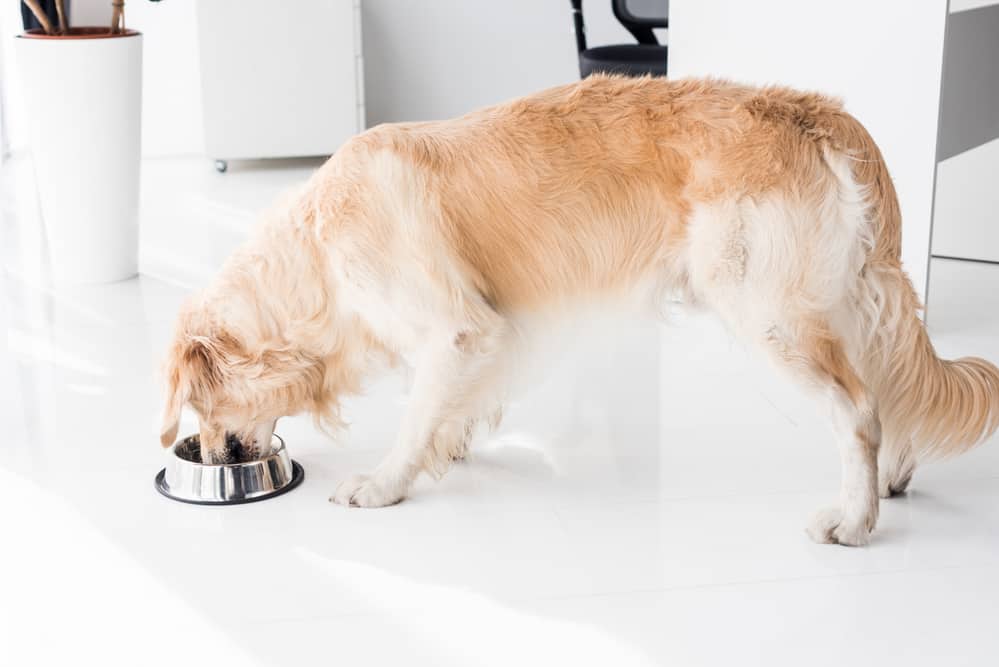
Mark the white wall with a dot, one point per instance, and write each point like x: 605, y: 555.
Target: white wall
x: 443, y: 58
x: 10, y: 114
x: 4, y: 146
x: 883, y: 58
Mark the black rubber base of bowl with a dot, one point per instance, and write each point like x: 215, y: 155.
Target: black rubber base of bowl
x: 297, y: 475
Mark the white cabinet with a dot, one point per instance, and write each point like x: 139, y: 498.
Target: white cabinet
x: 280, y: 79
x: 967, y: 199
x: 967, y: 205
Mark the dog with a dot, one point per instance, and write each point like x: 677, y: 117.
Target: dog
x: 427, y: 244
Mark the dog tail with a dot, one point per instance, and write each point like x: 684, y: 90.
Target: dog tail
x: 941, y: 407
x: 938, y: 406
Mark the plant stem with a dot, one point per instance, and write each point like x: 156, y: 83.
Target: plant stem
x: 61, y: 11
x: 39, y: 13
x: 117, y: 16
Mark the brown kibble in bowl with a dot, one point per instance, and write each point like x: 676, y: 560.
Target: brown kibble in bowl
x: 189, y: 449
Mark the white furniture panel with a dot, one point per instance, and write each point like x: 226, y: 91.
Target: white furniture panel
x: 883, y: 58
x: 964, y: 224
x: 279, y: 79
x: 967, y: 205
x: 965, y: 5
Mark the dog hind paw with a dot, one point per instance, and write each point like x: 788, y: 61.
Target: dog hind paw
x: 891, y: 486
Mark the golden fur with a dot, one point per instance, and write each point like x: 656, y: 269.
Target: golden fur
x: 428, y: 242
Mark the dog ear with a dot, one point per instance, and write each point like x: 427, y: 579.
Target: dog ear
x: 176, y: 396
x: 203, y: 362
x: 195, y: 366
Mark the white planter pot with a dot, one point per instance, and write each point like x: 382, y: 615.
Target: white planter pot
x: 83, y: 98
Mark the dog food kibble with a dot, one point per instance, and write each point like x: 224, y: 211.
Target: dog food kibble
x: 234, y: 451
x: 189, y: 449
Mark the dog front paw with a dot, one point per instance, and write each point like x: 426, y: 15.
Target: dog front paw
x: 828, y: 527
x: 367, y: 491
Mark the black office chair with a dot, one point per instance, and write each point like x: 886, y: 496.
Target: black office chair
x: 639, y: 17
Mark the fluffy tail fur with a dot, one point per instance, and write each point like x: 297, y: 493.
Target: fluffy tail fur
x: 936, y: 407
x: 929, y: 407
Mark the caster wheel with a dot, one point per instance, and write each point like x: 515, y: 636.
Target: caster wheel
x: 221, y: 166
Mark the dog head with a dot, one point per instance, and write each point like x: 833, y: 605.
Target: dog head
x: 237, y: 384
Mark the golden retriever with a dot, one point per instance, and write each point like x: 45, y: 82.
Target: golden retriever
x: 427, y: 243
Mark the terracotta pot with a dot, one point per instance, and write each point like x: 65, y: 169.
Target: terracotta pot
x: 83, y: 97
x: 91, y: 32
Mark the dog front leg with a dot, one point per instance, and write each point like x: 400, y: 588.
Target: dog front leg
x: 436, y: 382
x: 212, y: 440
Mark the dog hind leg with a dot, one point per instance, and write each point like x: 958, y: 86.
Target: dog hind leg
x: 816, y: 355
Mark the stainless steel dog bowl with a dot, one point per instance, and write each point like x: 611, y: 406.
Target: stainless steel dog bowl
x: 189, y: 480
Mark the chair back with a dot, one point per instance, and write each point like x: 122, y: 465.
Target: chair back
x: 577, y: 24
x: 639, y: 17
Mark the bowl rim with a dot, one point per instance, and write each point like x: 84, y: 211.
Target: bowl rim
x: 274, y: 454
x: 297, y: 477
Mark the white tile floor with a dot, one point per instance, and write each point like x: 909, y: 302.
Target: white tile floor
x: 618, y: 517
